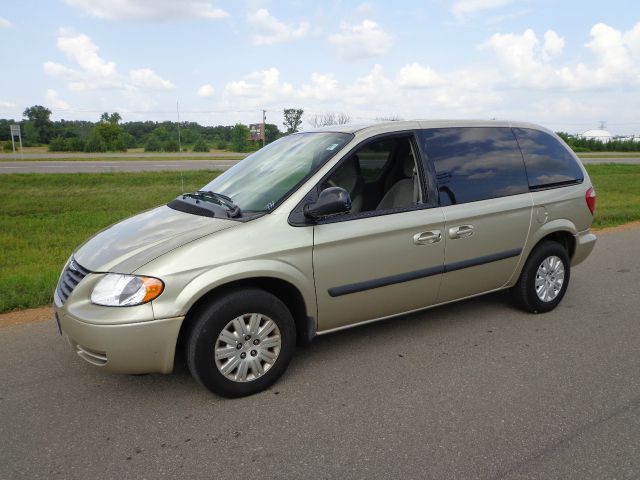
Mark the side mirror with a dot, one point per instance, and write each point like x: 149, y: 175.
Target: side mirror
x: 331, y: 201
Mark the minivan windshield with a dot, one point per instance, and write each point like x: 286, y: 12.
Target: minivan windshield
x: 262, y: 179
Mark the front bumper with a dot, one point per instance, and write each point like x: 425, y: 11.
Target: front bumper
x: 139, y: 347
x: 584, y: 241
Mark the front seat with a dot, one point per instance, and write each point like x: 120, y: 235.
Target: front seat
x: 404, y: 192
x: 348, y: 176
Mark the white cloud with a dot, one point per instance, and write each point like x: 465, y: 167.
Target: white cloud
x: 4, y: 23
x: 147, y: 78
x: 521, y: 57
x: 149, y: 11
x: 414, y: 75
x: 363, y: 40
x: 464, y: 8
x: 266, y: 88
x: 371, y: 88
x: 526, y: 62
x: 92, y: 72
x: 206, y: 90
x: 269, y: 30
x: 366, y: 10
x: 553, y: 45
x: 55, y: 102
x: 7, y: 104
x: 84, y: 52
x: 372, y: 95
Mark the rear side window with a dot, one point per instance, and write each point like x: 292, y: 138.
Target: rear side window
x: 548, y: 162
x: 475, y: 163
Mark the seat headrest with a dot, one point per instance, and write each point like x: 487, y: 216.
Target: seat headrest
x: 408, y: 165
x: 348, y: 173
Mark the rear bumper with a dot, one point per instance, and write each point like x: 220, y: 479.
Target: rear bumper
x: 140, y: 347
x: 585, y: 241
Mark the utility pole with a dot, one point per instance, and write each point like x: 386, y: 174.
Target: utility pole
x: 178, y: 112
x: 264, y: 127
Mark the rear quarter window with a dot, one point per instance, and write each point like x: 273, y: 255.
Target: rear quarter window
x: 475, y: 163
x: 548, y: 161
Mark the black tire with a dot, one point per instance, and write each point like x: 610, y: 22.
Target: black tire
x: 524, y: 292
x: 214, y: 317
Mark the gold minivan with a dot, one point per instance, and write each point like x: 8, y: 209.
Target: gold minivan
x: 325, y: 230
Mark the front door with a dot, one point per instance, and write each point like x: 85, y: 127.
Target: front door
x: 386, y: 256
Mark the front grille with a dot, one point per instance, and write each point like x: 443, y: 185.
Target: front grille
x: 71, y: 276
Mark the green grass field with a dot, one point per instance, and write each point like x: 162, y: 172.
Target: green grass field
x: 44, y: 217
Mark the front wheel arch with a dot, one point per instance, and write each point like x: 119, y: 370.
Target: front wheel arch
x: 289, y: 295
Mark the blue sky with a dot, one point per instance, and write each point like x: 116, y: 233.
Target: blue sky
x: 565, y: 64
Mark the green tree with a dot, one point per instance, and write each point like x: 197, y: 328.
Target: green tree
x: 239, y: 138
x: 95, y: 144
x: 39, y: 117
x: 113, y: 118
x: 171, y: 146
x: 271, y: 132
x: 201, y: 146
x: 110, y: 132
x: 57, y: 144
x: 292, y: 119
x: 153, y: 144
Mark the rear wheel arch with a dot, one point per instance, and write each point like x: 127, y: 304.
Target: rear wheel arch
x: 564, y: 238
x: 544, y: 278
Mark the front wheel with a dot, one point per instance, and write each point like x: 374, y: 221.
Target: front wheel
x: 241, y: 343
x: 544, y: 279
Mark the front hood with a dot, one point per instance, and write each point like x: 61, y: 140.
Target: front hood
x: 131, y: 243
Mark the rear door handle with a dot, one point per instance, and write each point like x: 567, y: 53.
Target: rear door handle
x: 461, y: 231
x: 424, y: 238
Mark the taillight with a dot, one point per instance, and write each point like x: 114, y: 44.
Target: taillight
x: 591, y: 200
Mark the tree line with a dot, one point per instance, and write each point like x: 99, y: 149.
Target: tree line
x: 109, y: 133
x: 580, y: 144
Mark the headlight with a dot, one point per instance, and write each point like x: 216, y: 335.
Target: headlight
x: 116, y: 290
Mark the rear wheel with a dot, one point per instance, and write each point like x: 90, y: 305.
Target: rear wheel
x: 544, y: 278
x: 241, y: 343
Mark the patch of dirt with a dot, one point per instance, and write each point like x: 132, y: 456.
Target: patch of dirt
x: 31, y: 315
x: 619, y: 228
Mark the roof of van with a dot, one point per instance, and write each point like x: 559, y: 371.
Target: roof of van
x: 411, y: 124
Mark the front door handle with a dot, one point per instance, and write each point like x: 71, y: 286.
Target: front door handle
x: 424, y: 238
x: 461, y: 231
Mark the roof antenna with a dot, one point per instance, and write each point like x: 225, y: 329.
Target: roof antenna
x: 603, y: 125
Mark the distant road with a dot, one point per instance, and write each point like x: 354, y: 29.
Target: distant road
x: 611, y: 159
x: 112, y: 163
x: 98, y: 166
x: 141, y: 155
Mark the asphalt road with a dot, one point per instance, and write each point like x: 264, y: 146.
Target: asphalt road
x: 173, y: 162
x: 470, y: 390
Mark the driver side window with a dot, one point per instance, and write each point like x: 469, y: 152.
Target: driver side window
x: 382, y: 175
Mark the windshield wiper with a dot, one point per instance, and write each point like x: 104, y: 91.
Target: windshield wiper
x: 220, y: 199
